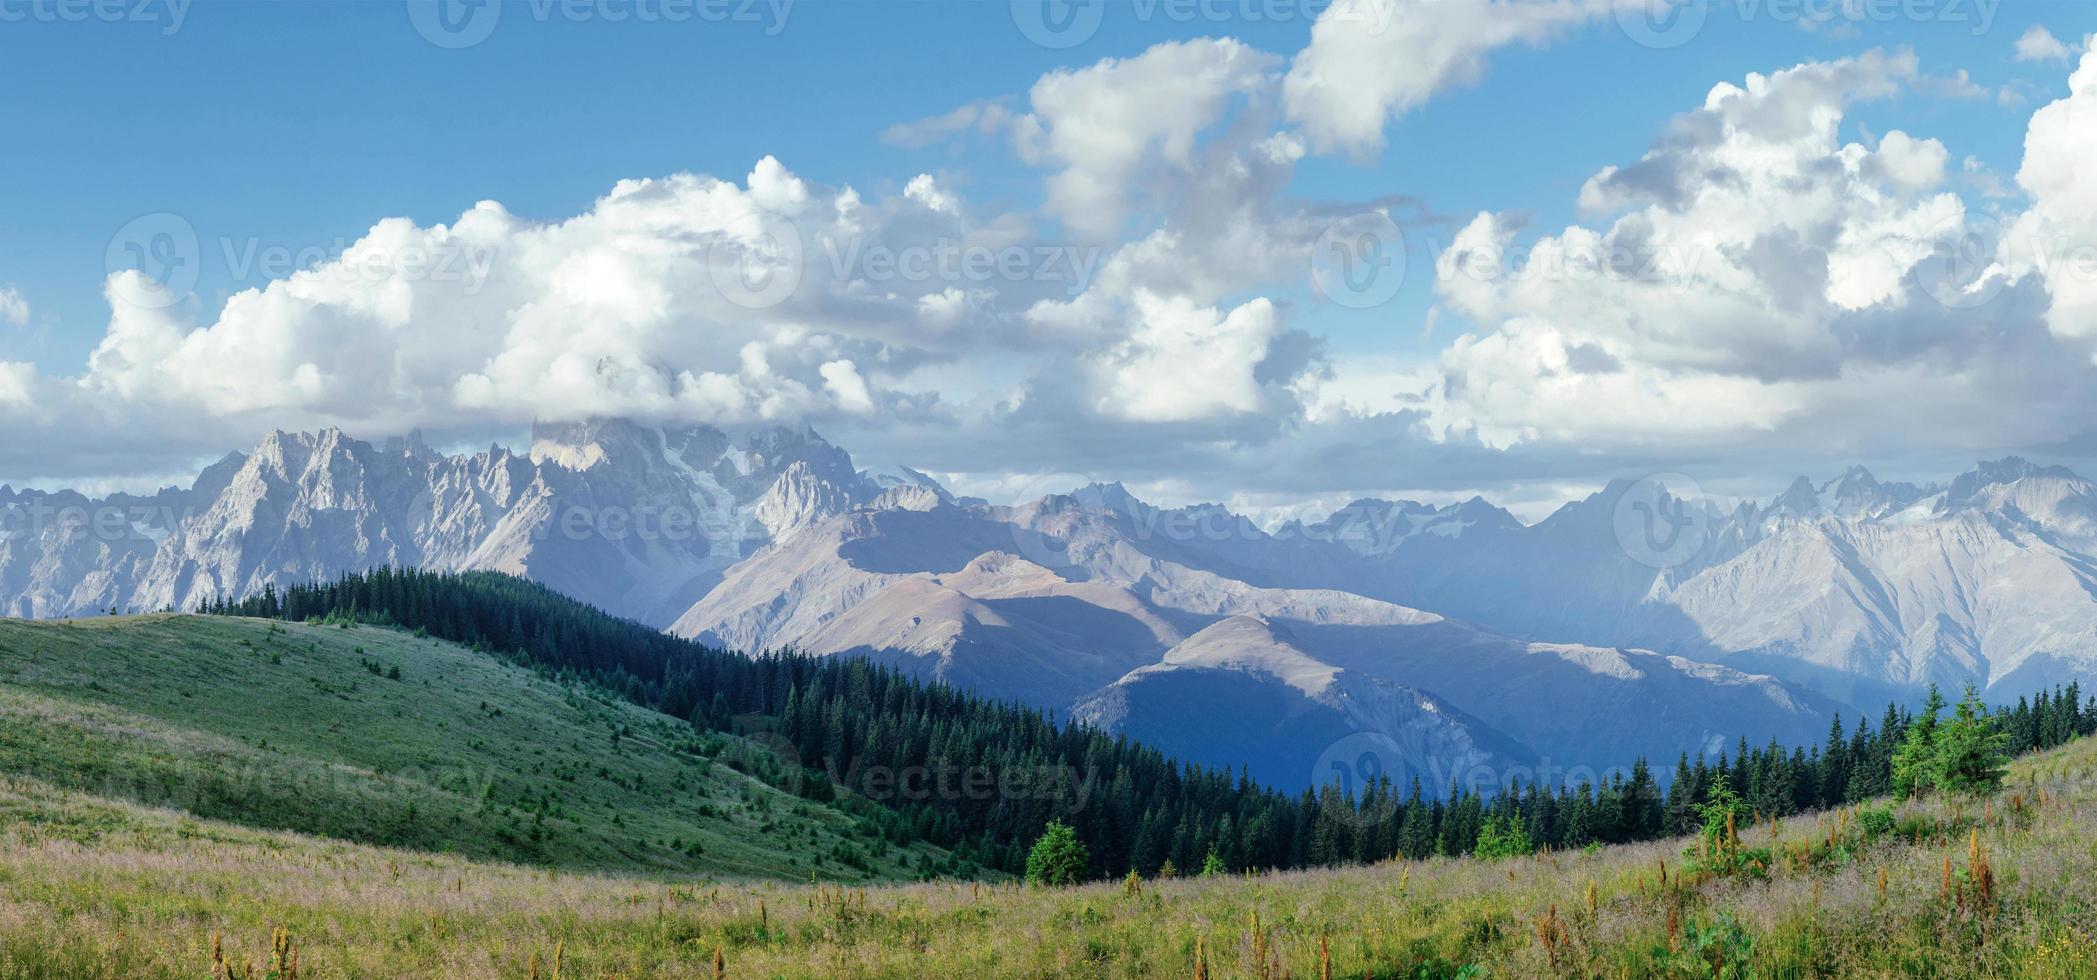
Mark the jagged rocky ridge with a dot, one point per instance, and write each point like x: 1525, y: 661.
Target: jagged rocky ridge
x: 638, y: 520
x: 1190, y: 628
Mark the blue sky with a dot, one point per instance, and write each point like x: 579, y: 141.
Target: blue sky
x: 299, y: 125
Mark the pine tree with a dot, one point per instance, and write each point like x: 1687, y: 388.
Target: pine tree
x: 1416, y: 830
x: 1913, y: 764
x: 1326, y: 846
x: 1682, y: 797
x: 1502, y: 837
x: 1058, y: 858
x: 1834, y: 767
x: 1580, y: 818
x: 1971, y: 757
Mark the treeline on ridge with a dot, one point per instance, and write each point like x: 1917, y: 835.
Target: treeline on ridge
x: 868, y: 725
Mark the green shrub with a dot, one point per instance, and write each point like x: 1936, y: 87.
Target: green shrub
x: 1720, y: 949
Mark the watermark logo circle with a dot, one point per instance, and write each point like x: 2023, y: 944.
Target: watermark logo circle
x: 756, y: 262
x: 162, y: 248
x: 1357, y: 763
x: 1661, y: 24
x: 1058, y: 24
x: 1359, y: 261
x: 454, y: 24
x: 1959, y: 264
x: 1662, y: 520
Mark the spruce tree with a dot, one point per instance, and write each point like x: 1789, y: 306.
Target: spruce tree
x: 1914, y: 762
x: 1058, y: 858
x: 1416, y: 830
x: 1502, y: 837
x: 1971, y: 753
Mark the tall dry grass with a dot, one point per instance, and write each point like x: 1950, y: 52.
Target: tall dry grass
x: 95, y: 889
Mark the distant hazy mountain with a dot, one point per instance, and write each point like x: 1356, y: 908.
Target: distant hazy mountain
x: 1453, y: 637
x: 1860, y: 589
x: 1094, y: 601
x: 1240, y: 690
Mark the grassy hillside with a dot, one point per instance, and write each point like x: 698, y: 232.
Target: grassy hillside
x: 376, y: 736
x: 91, y: 888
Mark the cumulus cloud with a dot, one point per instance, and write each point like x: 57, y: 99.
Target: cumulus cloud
x: 770, y: 300
x: 777, y: 299
x: 1768, y: 278
x: 841, y: 378
x: 2057, y: 238
x: 1764, y: 279
x: 926, y: 191
x: 14, y: 310
x: 1370, y: 61
x: 1103, y: 124
x: 635, y: 307
x: 1183, y: 362
x: 2038, y: 44
x: 1913, y: 164
x: 685, y: 296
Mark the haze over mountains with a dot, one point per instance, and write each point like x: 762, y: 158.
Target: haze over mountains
x: 1435, y: 639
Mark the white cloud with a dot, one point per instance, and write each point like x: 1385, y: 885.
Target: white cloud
x: 984, y: 118
x: 1762, y: 279
x: 1370, y: 61
x: 1519, y: 384
x: 2058, y: 236
x: 926, y: 191
x: 841, y: 378
x: 1915, y: 165
x: 630, y: 309
x: 1105, y: 123
x: 656, y: 302
x: 18, y: 385
x: 1183, y: 362
x: 946, y: 309
x: 1370, y: 384
x: 2038, y: 44
x: 1957, y: 85
x: 14, y: 310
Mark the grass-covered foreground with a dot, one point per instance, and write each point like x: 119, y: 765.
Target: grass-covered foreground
x: 2006, y: 887
x: 381, y: 737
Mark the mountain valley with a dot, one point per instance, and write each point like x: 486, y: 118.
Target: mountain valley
x: 1457, y: 637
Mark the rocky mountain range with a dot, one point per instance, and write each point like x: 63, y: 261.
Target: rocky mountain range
x: 1388, y: 638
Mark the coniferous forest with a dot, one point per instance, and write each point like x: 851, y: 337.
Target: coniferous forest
x: 989, y: 776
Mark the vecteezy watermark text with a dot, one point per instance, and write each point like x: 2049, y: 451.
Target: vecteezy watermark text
x: 251, y: 260
x: 665, y: 521
x: 169, y: 257
x: 1067, y: 787
x: 1369, y: 773
x: 1058, y: 24
x: 1662, y: 24
x: 946, y: 261
x: 464, y: 23
x: 34, y: 519
x: 169, y: 14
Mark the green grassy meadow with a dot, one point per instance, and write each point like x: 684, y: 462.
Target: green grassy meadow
x: 142, y: 835
x: 375, y: 736
x: 91, y: 888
